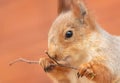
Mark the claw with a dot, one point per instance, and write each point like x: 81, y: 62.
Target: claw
x: 87, y: 71
x: 92, y: 75
x: 83, y: 73
x: 78, y: 74
x: 49, y: 68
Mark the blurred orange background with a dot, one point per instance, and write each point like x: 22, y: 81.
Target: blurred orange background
x: 24, y: 25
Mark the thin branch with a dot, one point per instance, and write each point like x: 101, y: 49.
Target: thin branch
x: 37, y: 62
x: 23, y: 60
x: 61, y: 65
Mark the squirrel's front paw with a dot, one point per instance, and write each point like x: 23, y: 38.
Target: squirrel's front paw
x: 47, y: 64
x: 86, y: 70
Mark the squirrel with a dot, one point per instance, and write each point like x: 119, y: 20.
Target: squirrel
x: 75, y: 39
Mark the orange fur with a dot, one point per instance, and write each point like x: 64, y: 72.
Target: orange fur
x: 90, y: 48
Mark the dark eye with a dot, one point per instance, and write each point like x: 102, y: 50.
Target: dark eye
x: 68, y: 34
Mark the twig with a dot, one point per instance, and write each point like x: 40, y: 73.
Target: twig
x: 61, y: 65
x: 23, y: 60
x: 37, y: 62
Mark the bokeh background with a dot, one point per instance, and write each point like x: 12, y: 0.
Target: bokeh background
x: 24, y: 25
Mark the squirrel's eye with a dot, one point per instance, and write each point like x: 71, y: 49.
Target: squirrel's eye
x: 68, y: 34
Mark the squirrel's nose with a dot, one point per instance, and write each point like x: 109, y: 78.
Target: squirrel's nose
x: 54, y: 51
x: 51, y: 56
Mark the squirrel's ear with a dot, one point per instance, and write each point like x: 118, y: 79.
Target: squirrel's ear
x: 76, y: 6
x: 64, y: 5
x: 79, y: 9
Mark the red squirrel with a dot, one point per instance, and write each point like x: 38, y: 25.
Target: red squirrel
x: 75, y: 39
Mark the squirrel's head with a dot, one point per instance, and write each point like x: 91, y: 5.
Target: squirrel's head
x: 70, y: 31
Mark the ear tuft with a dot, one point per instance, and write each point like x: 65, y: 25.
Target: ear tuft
x: 78, y: 8
x: 64, y: 5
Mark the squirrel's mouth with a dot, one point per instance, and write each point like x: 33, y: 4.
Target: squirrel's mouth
x: 63, y: 62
